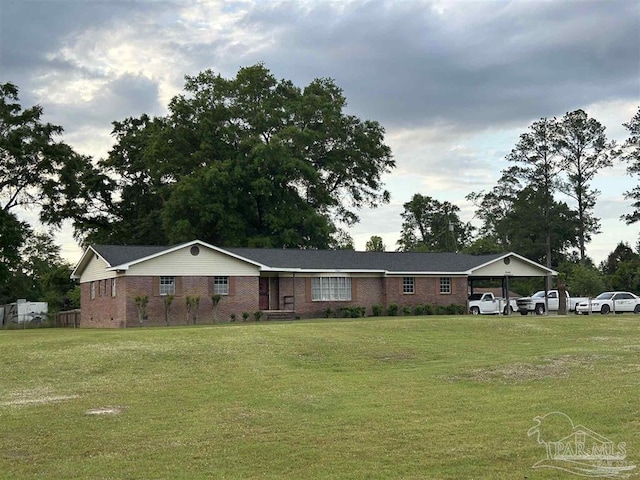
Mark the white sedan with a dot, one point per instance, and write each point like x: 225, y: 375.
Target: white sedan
x: 606, y: 302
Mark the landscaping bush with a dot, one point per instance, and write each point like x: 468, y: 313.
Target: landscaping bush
x: 406, y: 310
x: 441, y: 310
x: 456, y: 309
x: 354, y: 312
x: 376, y: 310
x: 418, y: 310
x: 392, y: 310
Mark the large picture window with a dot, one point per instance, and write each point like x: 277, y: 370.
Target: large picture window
x: 221, y: 285
x: 167, y: 286
x: 330, y: 288
x: 445, y: 285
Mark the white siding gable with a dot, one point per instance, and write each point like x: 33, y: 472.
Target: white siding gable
x: 182, y: 263
x: 515, y: 268
x: 96, y: 269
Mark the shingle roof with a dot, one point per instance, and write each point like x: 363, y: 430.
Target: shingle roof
x: 120, y: 254
x: 287, y: 259
x: 373, y: 261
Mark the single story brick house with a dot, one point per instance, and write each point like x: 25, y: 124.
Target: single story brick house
x: 114, y: 278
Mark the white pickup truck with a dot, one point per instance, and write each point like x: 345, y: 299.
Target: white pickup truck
x: 536, y: 302
x: 488, y: 304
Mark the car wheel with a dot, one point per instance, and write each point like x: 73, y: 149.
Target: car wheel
x: 604, y: 309
x: 539, y: 309
x: 637, y: 309
x: 475, y: 311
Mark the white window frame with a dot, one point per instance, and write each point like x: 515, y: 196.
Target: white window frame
x: 445, y: 285
x: 331, y: 289
x: 92, y: 290
x: 113, y: 287
x: 221, y: 285
x: 167, y: 286
x: 408, y: 285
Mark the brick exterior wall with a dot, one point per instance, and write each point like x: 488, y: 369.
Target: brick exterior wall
x: 369, y: 291
x: 121, y: 311
x: 106, y: 311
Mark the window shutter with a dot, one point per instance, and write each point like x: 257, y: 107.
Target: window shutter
x: 307, y: 288
x: 156, y: 286
x: 354, y: 289
x: 232, y: 286
x: 178, y: 282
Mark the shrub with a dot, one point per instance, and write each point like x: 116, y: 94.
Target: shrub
x: 428, y: 309
x: 441, y: 310
x: 406, y: 310
x: 456, y: 309
x: 257, y: 315
x: 392, y: 309
x: 376, y: 310
x: 418, y: 310
x: 328, y: 313
x: 232, y: 317
x: 353, y: 312
x: 245, y: 316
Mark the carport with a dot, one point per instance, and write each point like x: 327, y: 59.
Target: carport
x: 507, y: 266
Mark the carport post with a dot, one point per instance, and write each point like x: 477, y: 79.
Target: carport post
x: 506, y: 294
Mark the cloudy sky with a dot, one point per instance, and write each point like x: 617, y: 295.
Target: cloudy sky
x: 453, y: 82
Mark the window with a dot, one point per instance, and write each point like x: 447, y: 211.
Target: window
x: 221, y: 285
x: 445, y: 285
x: 408, y: 285
x: 92, y: 288
x: 330, y: 288
x: 167, y: 286
x: 113, y: 287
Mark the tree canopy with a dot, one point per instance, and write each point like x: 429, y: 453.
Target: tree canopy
x: 432, y: 226
x: 246, y: 161
x: 630, y: 153
x: 36, y: 172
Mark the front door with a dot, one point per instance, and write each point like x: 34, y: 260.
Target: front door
x: 264, y: 293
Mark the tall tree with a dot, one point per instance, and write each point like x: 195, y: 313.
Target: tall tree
x: 492, y: 208
x: 631, y: 153
x: 538, y: 167
x: 431, y: 225
x: 584, y: 150
x: 36, y: 171
x: 622, y: 253
x: 245, y: 161
x: 12, y: 236
x: 511, y: 222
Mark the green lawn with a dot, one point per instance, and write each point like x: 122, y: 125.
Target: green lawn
x: 405, y: 397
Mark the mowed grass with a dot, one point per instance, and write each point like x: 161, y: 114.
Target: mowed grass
x: 375, y: 398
